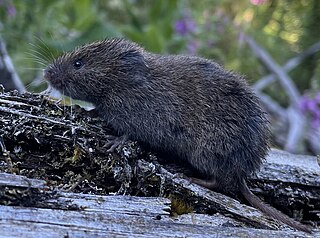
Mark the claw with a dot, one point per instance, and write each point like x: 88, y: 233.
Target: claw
x: 115, y: 141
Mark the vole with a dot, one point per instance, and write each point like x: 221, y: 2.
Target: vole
x: 186, y: 106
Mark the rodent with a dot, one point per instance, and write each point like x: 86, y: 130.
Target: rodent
x: 187, y: 106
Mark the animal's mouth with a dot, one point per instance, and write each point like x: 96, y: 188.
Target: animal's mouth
x: 54, y: 80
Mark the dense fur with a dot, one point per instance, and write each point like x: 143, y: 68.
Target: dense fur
x: 183, y: 105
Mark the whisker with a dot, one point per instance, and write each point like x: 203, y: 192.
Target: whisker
x: 60, y: 45
x: 39, y: 51
x: 71, y: 107
x: 32, y: 68
x: 47, y: 50
x: 36, y: 82
x: 37, y: 55
x: 43, y: 49
x: 32, y: 58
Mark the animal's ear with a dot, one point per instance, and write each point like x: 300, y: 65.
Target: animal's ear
x: 134, y: 60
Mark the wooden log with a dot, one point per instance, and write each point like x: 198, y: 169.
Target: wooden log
x: 40, y: 138
x: 20, y: 181
x: 79, y: 215
x: 28, y: 222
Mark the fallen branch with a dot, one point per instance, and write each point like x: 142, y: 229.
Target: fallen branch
x: 273, y: 107
x: 7, y: 68
x: 283, y: 77
x: 297, y: 121
x: 288, y: 66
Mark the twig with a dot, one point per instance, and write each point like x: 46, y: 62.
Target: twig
x: 297, y: 122
x: 284, y: 79
x: 23, y: 114
x: 289, y: 65
x: 272, y: 106
x: 10, y: 68
x: 15, y: 103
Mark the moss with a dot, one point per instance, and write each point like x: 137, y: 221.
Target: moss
x: 179, y: 206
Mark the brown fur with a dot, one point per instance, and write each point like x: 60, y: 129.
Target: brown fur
x: 183, y: 105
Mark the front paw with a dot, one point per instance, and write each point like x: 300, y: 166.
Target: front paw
x: 115, y: 142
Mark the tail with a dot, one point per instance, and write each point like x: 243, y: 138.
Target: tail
x: 270, y: 211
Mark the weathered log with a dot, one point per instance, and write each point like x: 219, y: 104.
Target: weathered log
x: 43, y: 139
x: 79, y: 215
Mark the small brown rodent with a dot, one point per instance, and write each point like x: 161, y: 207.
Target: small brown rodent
x: 182, y: 105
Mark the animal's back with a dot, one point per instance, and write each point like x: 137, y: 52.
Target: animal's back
x: 218, y: 125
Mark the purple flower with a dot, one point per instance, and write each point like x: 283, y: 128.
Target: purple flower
x: 192, y: 47
x: 311, y: 106
x: 315, y: 123
x: 317, y: 97
x: 185, y: 26
x: 11, y: 10
x: 303, y: 102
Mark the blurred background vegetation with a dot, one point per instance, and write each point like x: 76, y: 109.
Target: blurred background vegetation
x: 35, y: 29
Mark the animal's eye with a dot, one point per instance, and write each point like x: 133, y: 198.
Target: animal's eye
x: 78, y: 64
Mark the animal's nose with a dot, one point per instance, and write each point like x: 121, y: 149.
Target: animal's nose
x: 47, y: 73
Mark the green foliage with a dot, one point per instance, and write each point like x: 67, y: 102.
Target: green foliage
x: 154, y: 28
x: 36, y: 31
x: 283, y: 28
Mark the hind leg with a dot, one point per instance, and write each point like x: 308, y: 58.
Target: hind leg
x: 210, y: 184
